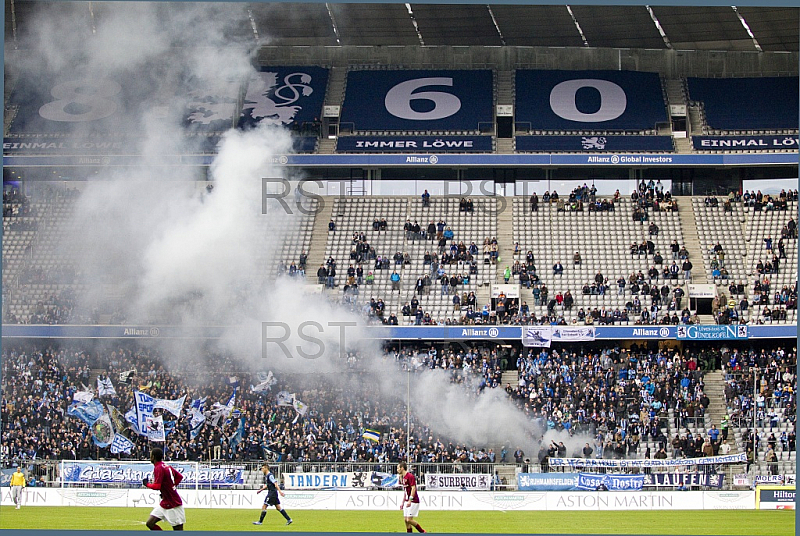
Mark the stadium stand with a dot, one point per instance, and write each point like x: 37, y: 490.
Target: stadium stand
x: 381, y: 101
x: 626, y: 402
x: 611, y: 244
x: 754, y: 105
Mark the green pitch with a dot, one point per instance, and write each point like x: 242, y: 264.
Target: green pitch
x: 719, y: 522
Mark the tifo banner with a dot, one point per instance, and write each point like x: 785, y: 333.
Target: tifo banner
x: 418, y: 100
x: 143, y: 405
x: 537, y: 337
x: 456, y: 481
x: 173, y: 406
x: 727, y: 143
x: 413, y: 144
x: 561, y: 334
x: 591, y: 462
x: 331, y: 480
x: 579, y: 144
x: 5, y: 477
x: 578, y: 481
x: 709, y: 480
x: 717, y: 333
x: 91, y: 472
x: 589, y: 100
x: 284, y: 96
x: 594, y: 481
x: 547, y: 481
x: 139, y: 497
x: 772, y: 480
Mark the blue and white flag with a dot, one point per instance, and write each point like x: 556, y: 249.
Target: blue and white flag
x: 219, y: 413
x: 239, y: 435
x: 130, y: 416
x: 88, y: 412
x: 105, y: 387
x: 198, y: 418
x: 173, y: 406
x: 265, y: 382
x: 144, y: 405
x: 85, y: 396
x: 301, y: 409
x: 284, y: 398
x: 155, y: 429
x: 120, y: 443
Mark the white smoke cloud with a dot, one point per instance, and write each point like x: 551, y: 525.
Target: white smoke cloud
x: 173, y: 253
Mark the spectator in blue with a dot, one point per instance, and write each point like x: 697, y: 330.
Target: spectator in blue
x: 395, y: 277
x: 332, y: 226
x: 426, y: 199
x: 713, y: 433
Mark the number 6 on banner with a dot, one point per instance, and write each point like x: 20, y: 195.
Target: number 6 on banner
x: 398, y: 100
x: 81, y: 100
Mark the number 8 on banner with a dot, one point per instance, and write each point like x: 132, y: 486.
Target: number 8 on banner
x: 81, y: 100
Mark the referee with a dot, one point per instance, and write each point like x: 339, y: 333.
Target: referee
x: 271, y: 485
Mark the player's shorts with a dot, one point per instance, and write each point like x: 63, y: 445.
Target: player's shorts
x: 173, y: 516
x: 272, y: 499
x: 411, y: 511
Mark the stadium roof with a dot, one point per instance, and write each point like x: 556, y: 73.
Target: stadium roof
x: 768, y: 29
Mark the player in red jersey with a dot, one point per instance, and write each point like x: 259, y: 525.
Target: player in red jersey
x: 410, y: 499
x: 165, y: 480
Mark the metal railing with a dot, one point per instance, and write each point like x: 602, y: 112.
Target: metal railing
x: 502, y: 475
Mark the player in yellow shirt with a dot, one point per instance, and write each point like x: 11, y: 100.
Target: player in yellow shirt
x: 17, y: 484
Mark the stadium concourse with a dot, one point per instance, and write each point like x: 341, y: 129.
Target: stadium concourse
x: 621, y: 403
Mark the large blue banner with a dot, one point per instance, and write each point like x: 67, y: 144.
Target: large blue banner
x: 418, y: 100
x: 25, y: 331
x: 582, y: 144
x: 414, y: 144
x: 423, y: 160
x: 762, y: 103
x: 734, y: 143
x: 592, y: 481
x: 284, y: 96
x: 578, y: 481
x: 589, y: 100
x: 547, y: 481
x: 712, y: 333
x: 709, y: 480
x: 91, y: 472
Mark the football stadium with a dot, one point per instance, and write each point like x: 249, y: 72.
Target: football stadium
x: 506, y: 268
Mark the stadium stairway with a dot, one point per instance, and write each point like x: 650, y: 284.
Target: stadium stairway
x: 715, y: 390
x: 319, y: 238
x: 326, y: 146
x: 510, y: 377
x: 505, y: 236
x: 691, y: 240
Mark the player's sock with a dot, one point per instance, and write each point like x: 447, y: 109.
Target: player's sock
x: 285, y: 515
x: 156, y: 527
x: 263, y: 515
x: 419, y: 528
x: 409, y: 530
